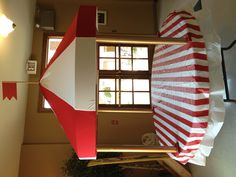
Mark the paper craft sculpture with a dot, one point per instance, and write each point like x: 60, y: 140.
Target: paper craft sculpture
x: 69, y: 83
x: 181, y: 91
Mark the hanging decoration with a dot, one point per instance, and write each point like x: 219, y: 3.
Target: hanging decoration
x: 9, y: 90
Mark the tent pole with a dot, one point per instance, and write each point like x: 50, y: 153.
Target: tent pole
x: 148, y: 40
x: 136, y: 148
x: 22, y: 82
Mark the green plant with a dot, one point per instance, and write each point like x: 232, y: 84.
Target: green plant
x: 78, y: 168
x: 107, y: 92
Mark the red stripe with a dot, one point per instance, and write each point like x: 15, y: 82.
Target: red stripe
x: 184, y: 161
x: 180, y: 129
x: 180, y: 139
x: 189, y: 45
x: 183, y: 110
x: 182, y: 120
x: 183, y: 13
x: 188, y: 150
x: 182, y: 68
x: 165, y: 144
x: 183, y: 27
x: 162, y: 48
x: 161, y: 141
x: 192, y: 35
x: 189, y: 35
x: 180, y: 149
x: 188, y: 155
x: 176, y: 23
x: 165, y: 136
x: 182, y: 79
x: 181, y: 58
x: 198, y: 102
x: 174, y: 14
x: 182, y: 89
x: 86, y: 21
x: 192, y: 44
x: 182, y: 48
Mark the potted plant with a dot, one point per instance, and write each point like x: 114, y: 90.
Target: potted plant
x: 74, y: 167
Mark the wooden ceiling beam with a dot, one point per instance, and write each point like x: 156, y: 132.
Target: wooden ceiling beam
x: 139, y: 39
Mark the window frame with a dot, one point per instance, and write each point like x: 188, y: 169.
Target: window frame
x: 46, y: 36
x: 119, y: 74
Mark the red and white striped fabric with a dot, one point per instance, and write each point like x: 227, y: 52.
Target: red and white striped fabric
x: 180, y: 87
x: 69, y: 83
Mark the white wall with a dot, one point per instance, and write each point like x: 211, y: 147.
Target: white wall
x: 14, y: 51
x: 221, y: 162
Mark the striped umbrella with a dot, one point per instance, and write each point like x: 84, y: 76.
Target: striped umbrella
x: 180, y: 87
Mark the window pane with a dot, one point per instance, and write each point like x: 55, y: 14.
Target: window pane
x: 117, y: 52
x: 140, y: 65
x: 107, y: 51
x: 126, y: 98
x: 46, y: 104
x: 53, y: 43
x: 107, y: 84
x: 141, y: 85
x: 117, y: 64
x: 117, y: 85
x: 125, y: 52
x: 126, y: 84
x: 117, y: 97
x: 141, y: 98
x: 106, y: 64
x: 126, y: 64
x: 140, y: 52
x: 106, y: 97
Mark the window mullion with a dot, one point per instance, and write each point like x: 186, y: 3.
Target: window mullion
x: 132, y: 91
x: 132, y: 63
x: 119, y: 58
x: 119, y: 91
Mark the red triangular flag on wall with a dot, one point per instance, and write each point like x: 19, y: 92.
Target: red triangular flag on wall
x: 9, y: 90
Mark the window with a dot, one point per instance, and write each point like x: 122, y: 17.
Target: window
x: 124, y: 76
x: 50, y: 45
x: 228, y: 57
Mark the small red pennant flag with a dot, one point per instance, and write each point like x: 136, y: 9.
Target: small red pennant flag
x: 9, y: 90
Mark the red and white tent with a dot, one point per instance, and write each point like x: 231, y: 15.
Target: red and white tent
x: 180, y: 87
x: 69, y: 83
